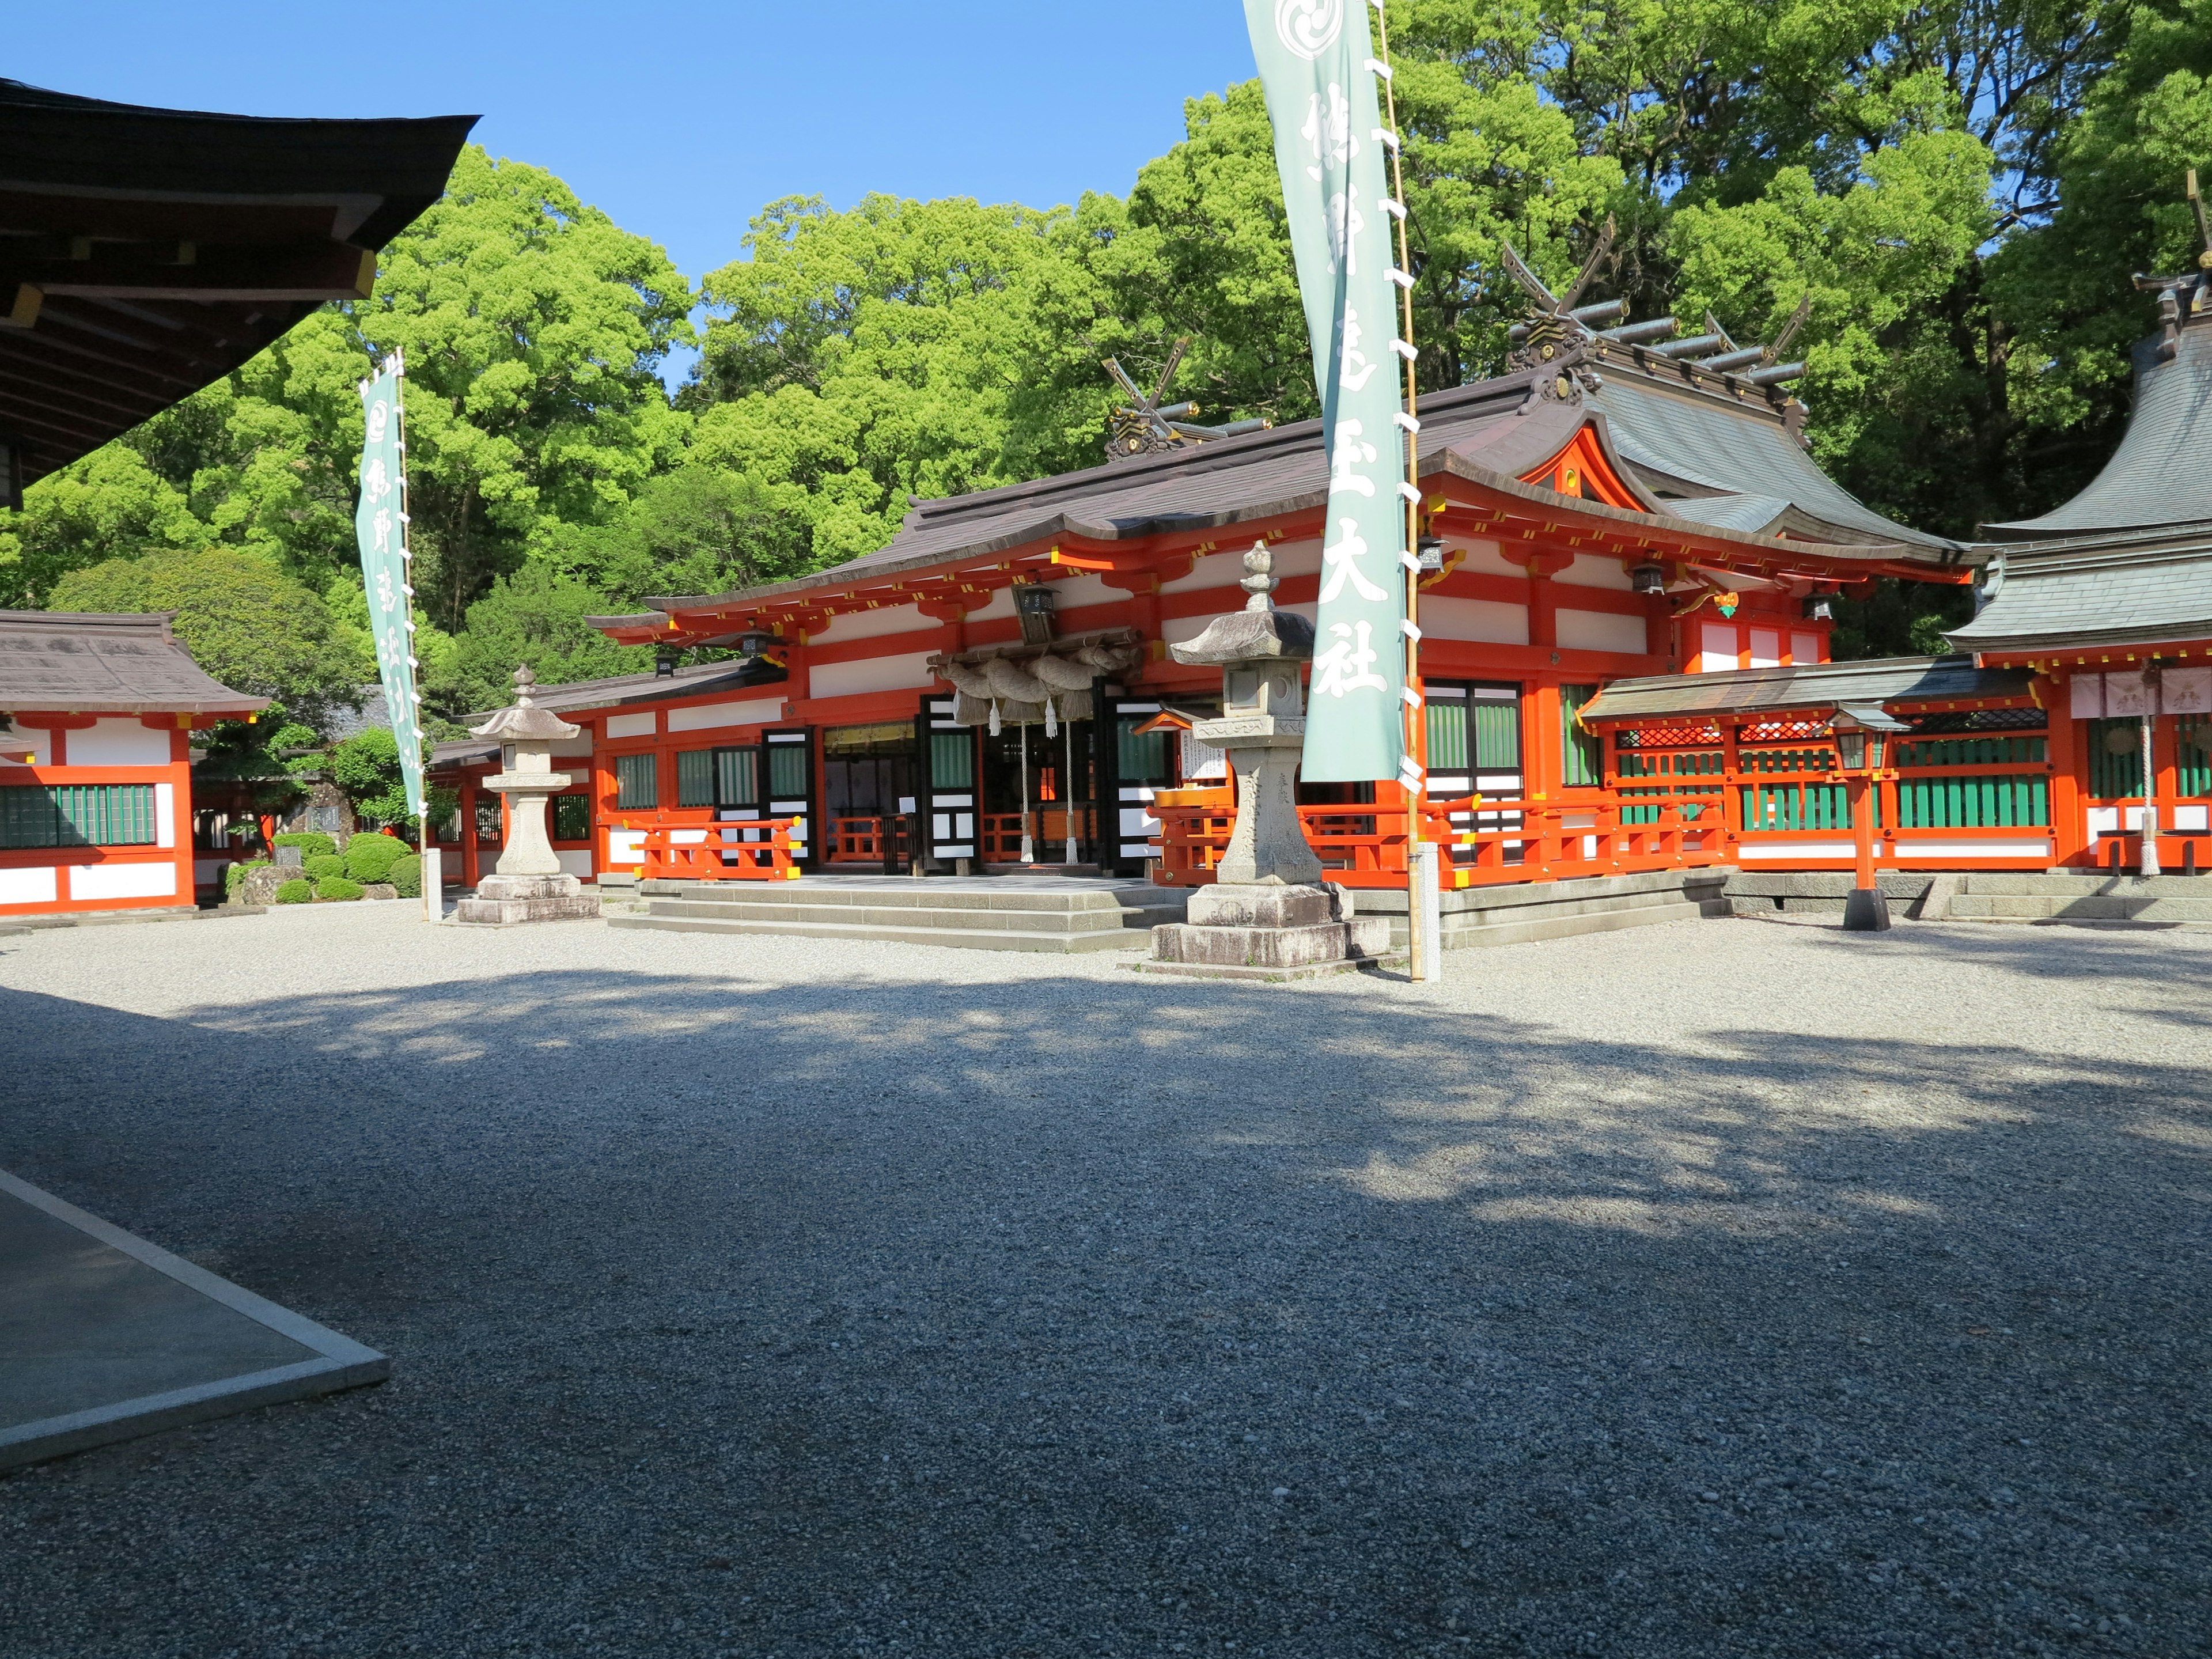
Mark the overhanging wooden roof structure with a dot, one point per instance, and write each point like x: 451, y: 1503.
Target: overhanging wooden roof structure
x: 1813, y: 689
x: 146, y: 252
x: 1648, y: 458
x: 68, y: 663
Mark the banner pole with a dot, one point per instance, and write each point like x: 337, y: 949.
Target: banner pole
x: 1422, y: 952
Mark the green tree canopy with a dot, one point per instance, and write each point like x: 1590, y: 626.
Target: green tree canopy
x: 246, y: 622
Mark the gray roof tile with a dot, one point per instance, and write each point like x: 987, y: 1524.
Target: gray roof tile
x: 58, y: 661
x: 1816, y: 685
x: 2143, y: 589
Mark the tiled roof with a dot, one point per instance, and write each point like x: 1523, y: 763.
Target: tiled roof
x: 68, y: 662
x: 2157, y: 477
x: 1815, y: 685
x: 2138, y: 590
x: 694, y: 680
x: 1721, y: 450
x: 1711, y: 444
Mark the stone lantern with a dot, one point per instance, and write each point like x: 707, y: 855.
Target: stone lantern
x: 530, y: 884
x: 1267, y: 916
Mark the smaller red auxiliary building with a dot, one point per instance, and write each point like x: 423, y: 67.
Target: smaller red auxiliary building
x: 95, y: 772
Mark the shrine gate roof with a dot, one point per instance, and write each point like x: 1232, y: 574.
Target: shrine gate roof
x: 2143, y: 590
x: 66, y: 662
x: 1815, y: 685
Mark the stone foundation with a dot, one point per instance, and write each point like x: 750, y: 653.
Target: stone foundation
x: 505, y: 901
x: 1270, y: 932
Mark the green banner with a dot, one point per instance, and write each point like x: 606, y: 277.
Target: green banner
x: 380, y: 525
x: 1317, y: 64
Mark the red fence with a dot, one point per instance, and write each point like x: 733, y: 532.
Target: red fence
x: 697, y: 847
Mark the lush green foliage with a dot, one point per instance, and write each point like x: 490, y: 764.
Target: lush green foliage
x: 336, y: 888
x: 370, y: 858
x: 295, y: 892
x: 406, y: 875
x: 312, y: 843
x: 1962, y: 191
x: 323, y: 865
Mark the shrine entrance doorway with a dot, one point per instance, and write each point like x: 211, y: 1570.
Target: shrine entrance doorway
x: 1040, y: 791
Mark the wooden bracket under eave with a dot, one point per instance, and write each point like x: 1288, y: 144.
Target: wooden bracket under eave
x: 23, y: 311
x: 365, y: 283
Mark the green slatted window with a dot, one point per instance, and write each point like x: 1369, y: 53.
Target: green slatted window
x: 2193, y: 755
x: 2115, y: 758
x: 695, y: 778
x: 1582, y: 755
x: 77, y: 815
x: 1994, y: 800
x: 637, y: 782
x: 1497, y: 732
x: 1137, y: 759
x: 572, y: 818
x: 737, y: 777
x: 952, y: 758
x: 787, y: 771
x: 1797, y: 806
x: 1447, y: 723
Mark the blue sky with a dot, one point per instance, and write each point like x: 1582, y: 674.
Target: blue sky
x: 681, y: 120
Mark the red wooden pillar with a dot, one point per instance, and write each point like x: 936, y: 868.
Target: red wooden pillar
x: 2070, y: 777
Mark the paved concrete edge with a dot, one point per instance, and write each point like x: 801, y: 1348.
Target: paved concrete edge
x: 340, y: 1362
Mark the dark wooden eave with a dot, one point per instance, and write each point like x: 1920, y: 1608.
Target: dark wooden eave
x: 145, y: 253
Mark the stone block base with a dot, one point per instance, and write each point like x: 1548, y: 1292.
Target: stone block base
x: 505, y: 901
x: 1266, y: 932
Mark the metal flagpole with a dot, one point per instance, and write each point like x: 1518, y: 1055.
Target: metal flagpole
x: 1424, y: 947
x: 433, y: 884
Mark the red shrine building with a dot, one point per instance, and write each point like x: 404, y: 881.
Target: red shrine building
x: 996, y: 682
x: 1623, y: 615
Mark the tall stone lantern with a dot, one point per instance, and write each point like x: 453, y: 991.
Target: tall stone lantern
x: 1267, y: 916
x: 530, y: 884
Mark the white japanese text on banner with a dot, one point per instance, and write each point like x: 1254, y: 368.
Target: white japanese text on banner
x: 1316, y: 63
x: 380, y: 525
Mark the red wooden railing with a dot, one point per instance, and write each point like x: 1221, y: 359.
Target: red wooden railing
x: 705, y: 849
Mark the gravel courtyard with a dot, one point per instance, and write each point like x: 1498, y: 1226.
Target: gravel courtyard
x: 1723, y: 1288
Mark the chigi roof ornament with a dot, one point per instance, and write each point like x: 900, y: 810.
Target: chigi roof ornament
x: 2189, y: 294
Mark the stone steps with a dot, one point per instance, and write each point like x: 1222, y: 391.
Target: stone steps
x: 1042, y: 920
x: 2159, y: 900
x: 1526, y: 913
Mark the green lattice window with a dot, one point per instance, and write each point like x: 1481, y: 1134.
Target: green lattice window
x: 1497, y: 732
x: 1447, y: 724
x: 787, y: 771
x: 77, y: 815
x: 637, y: 782
x: 952, y: 758
x: 1137, y: 759
x: 737, y: 777
x: 1798, y: 806
x: 1992, y: 800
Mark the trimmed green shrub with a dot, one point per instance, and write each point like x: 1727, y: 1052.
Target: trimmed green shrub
x: 234, y: 877
x: 337, y: 888
x: 312, y: 843
x: 297, y: 892
x: 367, y: 858
x: 322, y: 865
x: 406, y: 875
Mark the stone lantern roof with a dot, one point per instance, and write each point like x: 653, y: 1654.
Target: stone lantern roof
x: 526, y: 722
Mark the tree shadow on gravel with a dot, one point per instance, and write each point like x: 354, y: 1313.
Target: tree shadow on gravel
x: 1066, y: 1315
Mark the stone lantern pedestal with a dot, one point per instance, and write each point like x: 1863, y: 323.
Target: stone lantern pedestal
x: 1267, y: 915
x: 529, y: 885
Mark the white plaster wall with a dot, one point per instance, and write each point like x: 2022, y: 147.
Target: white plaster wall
x: 1593, y: 570
x: 847, y: 679
x: 574, y: 861
x: 625, y: 847
x: 631, y: 726
x: 706, y: 716
x: 114, y: 881
x: 871, y: 624
x: 1600, y: 631
x: 1804, y: 648
x: 1493, y: 624
x: 27, y: 886
x: 1483, y: 556
x: 165, y: 815
x: 1084, y: 589
x: 1001, y: 605
x: 1211, y: 570
x: 572, y: 747
x: 114, y: 742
